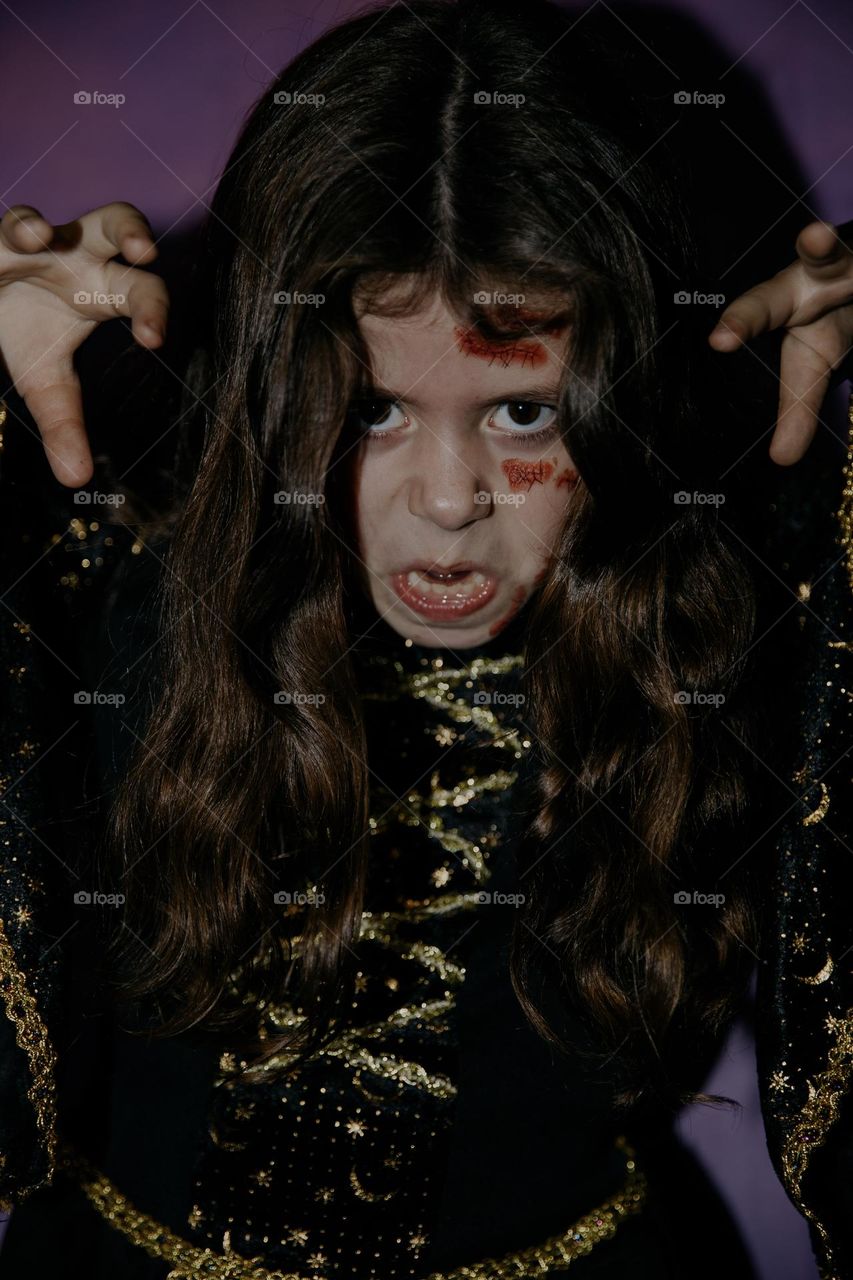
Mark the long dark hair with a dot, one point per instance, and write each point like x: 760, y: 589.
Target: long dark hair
x: 373, y: 157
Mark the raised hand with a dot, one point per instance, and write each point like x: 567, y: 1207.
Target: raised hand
x: 812, y: 299
x: 57, y: 283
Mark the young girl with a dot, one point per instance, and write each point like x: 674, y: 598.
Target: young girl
x: 425, y: 720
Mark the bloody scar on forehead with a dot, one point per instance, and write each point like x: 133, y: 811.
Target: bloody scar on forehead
x: 505, y: 351
x: 516, y: 347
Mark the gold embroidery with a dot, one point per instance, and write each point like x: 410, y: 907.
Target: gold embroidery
x: 821, y: 975
x: 371, y: 1196
x: 820, y: 812
x: 190, y: 1261
x: 817, y: 1117
x: 826, y: 1089
x: 437, y: 688
x: 31, y: 1035
x: 345, y: 1046
x: 845, y: 511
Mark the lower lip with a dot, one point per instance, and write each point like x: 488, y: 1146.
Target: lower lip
x: 443, y: 601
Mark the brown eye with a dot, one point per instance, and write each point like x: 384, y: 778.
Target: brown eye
x: 524, y: 413
x: 367, y: 414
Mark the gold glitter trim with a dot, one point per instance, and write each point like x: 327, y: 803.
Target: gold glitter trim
x: 346, y: 1046
x: 826, y: 1089
x: 437, y: 688
x: 31, y: 1035
x: 191, y: 1261
x: 817, y: 1117
x: 845, y: 511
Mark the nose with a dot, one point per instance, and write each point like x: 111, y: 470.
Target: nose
x: 445, y: 484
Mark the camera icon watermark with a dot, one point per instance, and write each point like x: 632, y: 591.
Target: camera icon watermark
x: 485, y: 496
x: 95, y: 98
x: 682, y: 498
x: 683, y: 898
x: 686, y: 297
x: 484, y: 698
x: 94, y: 698
x: 496, y: 298
x: 293, y: 298
x: 285, y: 98
x: 484, y: 99
x: 95, y: 497
x: 684, y: 98
x: 298, y: 498
x: 492, y: 897
x: 686, y: 697
x: 85, y: 898
x: 85, y: 298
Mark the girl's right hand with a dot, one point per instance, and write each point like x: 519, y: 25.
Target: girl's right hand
x: 56, y: 285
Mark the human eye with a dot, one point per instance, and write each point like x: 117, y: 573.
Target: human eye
x: 377, y: 417
x: 525, y: 419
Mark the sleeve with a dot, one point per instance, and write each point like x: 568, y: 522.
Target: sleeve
x: 30, y: 959
x: 805, y: 992
x: 58, y: 559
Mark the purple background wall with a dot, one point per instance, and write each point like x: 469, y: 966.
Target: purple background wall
x: 190, y: 73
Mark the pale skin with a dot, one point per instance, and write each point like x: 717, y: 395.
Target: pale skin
x: 452, y: 439
x: 416, y: 493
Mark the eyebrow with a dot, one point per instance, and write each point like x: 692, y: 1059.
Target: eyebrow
x: 537, y: 391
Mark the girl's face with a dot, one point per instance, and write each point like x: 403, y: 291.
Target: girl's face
x: 462, y: 480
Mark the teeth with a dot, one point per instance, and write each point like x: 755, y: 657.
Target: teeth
x: 467, y: 582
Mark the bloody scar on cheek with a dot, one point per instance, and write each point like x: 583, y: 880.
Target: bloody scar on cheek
x: 506, y: 351
x: 518, y: 597
x: 568, y: 477
x: 521, y: 474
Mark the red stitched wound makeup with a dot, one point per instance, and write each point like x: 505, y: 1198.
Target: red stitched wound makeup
x: 506, y: 352
x: 518, y: 598
x: 568, y: 477
x: 522, y: 474
x: 521, y: 346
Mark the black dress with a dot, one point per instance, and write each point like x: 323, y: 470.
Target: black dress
x: 436, y: 1135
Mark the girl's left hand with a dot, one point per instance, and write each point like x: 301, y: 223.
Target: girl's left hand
x: 813, y: 300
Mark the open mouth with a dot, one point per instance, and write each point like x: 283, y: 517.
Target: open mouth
x: 444, y: 594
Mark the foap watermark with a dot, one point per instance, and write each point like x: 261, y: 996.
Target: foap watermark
x: 682, y: 498
x: 293, y: 298
x: 485, y: 496
x: 688, y: 98
x: 96, y: 497
x: 497, y: 897
x: 694, y: 697
x: 494, y: 298
x: 95, y: 98
x: 683, y: 898
x: 298, y: 498
x: 284, y: 98
x: 94, y: 898
x: 309, y: 898
x: 482, y: 698
x: 285, y: 697
x: 94, y: 698
x: 482, y: 98
x: 695, y: 298
x: 85, y: 298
